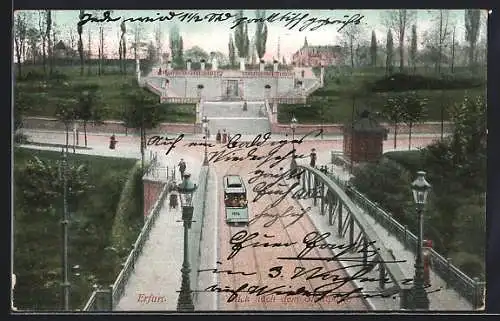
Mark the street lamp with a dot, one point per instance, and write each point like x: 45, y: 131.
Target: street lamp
x: 186, y: 190
x: 420, y: 188
x: 65, y: 285
x: 205, y: 127
x: 293, y: 125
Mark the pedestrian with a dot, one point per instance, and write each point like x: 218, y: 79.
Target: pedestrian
x: 218, y: 137
x: 245, y: 107
x: 182, y: 167
x: 224, y: 136
x: 112, y: 142
x: 312, y: 162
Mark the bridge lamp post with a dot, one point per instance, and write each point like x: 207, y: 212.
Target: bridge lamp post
x: 205, y: 128
x: 420, y: 188
x: 186, y: 190
x: 293, y: 125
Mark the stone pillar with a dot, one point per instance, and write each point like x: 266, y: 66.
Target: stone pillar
x: 242, y: 64
x: 261, y: 65
x: 188, y: 65
x: 275, y: 66
x: 202, y: 62
x: 169, y: 65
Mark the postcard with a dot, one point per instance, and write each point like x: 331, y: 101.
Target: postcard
x: 249, y: 160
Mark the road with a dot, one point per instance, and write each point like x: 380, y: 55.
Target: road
x: 259, y: 265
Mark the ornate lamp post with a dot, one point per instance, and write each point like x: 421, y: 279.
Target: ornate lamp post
x: 186, y: 190
x: 293, y: 125
x: 420, y: 188
x: 205, y: 128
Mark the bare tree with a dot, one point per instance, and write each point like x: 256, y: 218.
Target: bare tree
x: 80, y: 44
x: 159, y: 40
x: 453, y: 44
x: 42, y: 20
x: 351, y: 38
x: 412, y: 55
x: 20, y: 33
x: 49, y: 40
x: 437, y: 39
x: 123, y: 47
x: 399, y: 21
x: 472, y: 21
x: 33, y: 38
x: 89, y: 49
x: 138, y: 43
x: 389, y: 50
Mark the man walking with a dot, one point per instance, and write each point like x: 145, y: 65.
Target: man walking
x: 182, y: 167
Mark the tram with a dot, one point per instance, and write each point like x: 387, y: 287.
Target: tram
x: 235, y: 200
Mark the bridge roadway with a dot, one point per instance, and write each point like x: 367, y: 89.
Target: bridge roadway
x: 157, y: 271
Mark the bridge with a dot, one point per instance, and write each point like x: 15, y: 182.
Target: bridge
x: 383, y: 249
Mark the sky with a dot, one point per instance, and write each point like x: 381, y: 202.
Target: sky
x: 214, y: 36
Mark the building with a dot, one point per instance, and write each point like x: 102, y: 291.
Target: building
x: 311, y: 56
x: 364, y: 139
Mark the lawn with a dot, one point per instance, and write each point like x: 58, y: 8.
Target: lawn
x: 37, y: 236
x: 43, y: 95
x: 334, y: 103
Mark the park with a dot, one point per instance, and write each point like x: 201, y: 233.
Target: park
x: 437, y: 89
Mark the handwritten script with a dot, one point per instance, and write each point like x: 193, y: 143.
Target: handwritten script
x: 291, y: 20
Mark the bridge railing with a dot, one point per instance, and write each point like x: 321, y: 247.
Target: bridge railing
x: 471, y: 289
x: 349, y: 217
x: 112, y: 295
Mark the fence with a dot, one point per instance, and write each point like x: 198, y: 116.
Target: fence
x: 105, y: 299
x: 470, y: 289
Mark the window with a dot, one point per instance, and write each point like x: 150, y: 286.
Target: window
x: 235, y: 200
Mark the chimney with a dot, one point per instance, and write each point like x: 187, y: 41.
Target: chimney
x: 261, y: 65
x: 275, y: 66
x: 202, y: 62
x: 169, y: 65
x: 188, y: 64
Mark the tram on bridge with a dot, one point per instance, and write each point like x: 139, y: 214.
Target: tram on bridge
x: 235, y: 200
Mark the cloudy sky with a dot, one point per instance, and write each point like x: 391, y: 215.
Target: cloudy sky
x: 214, y: 36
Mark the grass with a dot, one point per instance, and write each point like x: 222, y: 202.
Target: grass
x: 334, y: 102
x: 43, y: 95
x: 37, y: 238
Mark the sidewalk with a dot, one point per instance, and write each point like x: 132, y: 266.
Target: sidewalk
x: 158, y: 269
x: 444, y: 299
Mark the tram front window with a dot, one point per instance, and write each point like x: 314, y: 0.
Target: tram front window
x: 235, y: 200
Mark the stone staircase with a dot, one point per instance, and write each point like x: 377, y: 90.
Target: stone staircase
x: 230, y: 116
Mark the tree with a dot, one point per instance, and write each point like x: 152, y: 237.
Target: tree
x: 159, y: 41
x: 413, y: 111
x: 33, y: 37
x: 42, y: 30
x: 196, y: 54
x: 373, y: 49
x: 89, y: 49
x: 351, y: 36
x: 141, y: 112
x: 20, y: 33
x: 138, y: 42
x: 176, y: 47
x: 260, y: 33
x: 399, y: 21
x: 41, y: 184
x: 66, y: 112
x: 87, y: 108
x: 232, y: 55
x: 123, y: 48
x: 389, y: 48
x: 413, y: 48
x: 80, y: 45
x: 241, y: 40
x: 393, y: 110
x: 49, y: 40
x: 472, y: 20
x: 453, y: 44
x: 442, y: 36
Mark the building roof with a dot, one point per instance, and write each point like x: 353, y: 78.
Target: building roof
x: 366, y: 124
x: 60, y: 46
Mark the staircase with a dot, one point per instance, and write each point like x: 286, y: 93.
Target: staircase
x: 231, y: 117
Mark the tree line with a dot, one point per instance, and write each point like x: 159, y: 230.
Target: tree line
x: 439, y: 46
